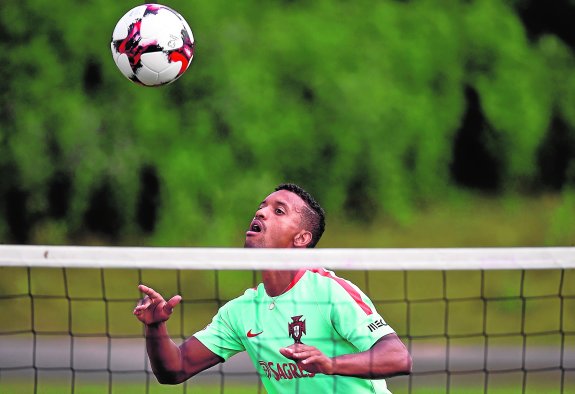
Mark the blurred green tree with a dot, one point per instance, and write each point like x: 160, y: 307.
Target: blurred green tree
x: 378, y: 108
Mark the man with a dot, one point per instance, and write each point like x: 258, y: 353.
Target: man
x: 306, y: 331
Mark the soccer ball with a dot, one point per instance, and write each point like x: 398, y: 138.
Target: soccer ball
x: 152, y: 45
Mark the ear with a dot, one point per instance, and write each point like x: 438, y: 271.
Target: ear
x: 302, y: 239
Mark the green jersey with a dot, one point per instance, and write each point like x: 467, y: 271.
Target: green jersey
x: 318, y: 309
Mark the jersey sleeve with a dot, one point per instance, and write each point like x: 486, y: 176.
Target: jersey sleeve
x: 219, y: 336
x: 354, y: 316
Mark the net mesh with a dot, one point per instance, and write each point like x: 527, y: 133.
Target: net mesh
x: 469, y: 329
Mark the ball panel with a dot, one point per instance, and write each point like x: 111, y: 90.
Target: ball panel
x: 156, y: 61
x: 146, y: 76
x: 137, y: 12
x: 115, y: 53
x: 121, y: 29
x: 180, y: 58
x: 165, y: 27
x: 170, y: 74
x: 124, y: 65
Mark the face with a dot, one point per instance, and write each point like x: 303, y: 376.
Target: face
x: 278, y: 223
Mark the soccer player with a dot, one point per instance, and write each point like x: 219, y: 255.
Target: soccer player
x: 306, y: 331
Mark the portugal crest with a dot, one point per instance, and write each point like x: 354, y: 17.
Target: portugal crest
x: 296, y: 328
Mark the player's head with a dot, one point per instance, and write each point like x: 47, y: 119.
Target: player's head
x: 313, y: 216
x: 287, y: 218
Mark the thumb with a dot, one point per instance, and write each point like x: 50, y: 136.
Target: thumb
x: 172, y: 302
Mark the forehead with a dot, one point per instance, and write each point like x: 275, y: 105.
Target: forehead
x: 285, y: 197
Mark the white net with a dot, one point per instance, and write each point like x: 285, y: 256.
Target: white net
x: 488, y: 320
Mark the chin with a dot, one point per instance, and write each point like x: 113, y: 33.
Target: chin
x: 251, y: 243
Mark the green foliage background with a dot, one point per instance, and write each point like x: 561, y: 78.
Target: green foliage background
x: 359, y: 102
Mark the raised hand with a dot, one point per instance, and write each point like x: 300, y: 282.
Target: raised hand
x: 309, y: 358
x: 153, y: 308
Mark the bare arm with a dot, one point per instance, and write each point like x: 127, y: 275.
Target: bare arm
x: 387, y: 357
x: 171, y: 363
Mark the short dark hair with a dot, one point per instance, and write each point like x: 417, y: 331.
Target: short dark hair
x: 314, y: 219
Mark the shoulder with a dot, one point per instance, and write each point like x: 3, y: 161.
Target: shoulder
x: 327, y: 278
x: 336, y: 288
x: 322, y: 280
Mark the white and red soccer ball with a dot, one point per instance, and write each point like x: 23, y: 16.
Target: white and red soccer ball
x: 152, y: 45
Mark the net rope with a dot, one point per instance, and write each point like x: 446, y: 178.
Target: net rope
x: 475, y: 320
x: 258, y: 259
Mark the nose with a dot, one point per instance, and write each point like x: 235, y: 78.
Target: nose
x: 260, y: 213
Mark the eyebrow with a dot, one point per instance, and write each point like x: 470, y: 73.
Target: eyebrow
x: 278, y: 202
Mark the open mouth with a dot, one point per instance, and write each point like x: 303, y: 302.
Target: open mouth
x: 256, y: 226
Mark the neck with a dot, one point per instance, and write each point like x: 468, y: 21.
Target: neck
x: 276, y: 282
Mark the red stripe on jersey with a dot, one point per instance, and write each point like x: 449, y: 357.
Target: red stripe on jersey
x: 347, y: 287
x: 296, y: 279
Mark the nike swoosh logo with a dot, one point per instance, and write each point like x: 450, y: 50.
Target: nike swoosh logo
x: 251, y: 334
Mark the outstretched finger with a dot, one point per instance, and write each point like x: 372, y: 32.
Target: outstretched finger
x: 153, y: 294
x: 287, y: 353
x: 172, y: 302
x: 303, y: 355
